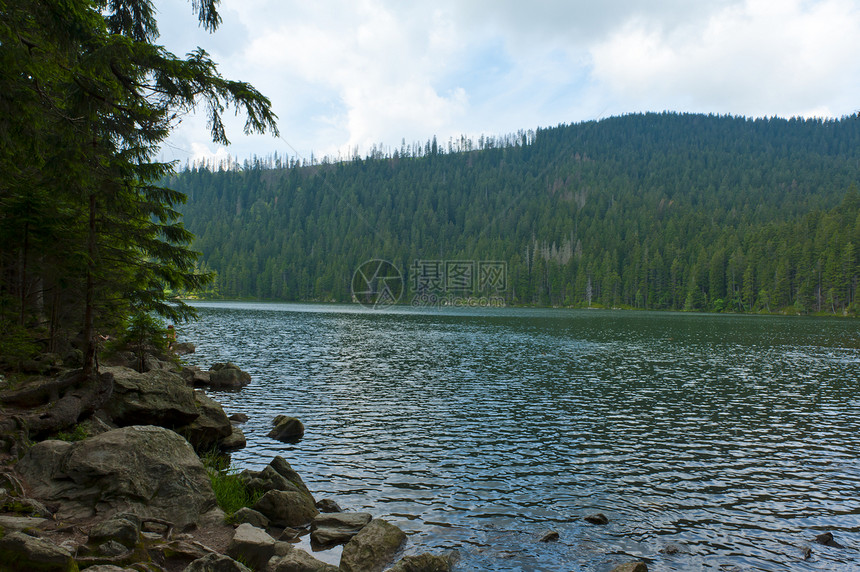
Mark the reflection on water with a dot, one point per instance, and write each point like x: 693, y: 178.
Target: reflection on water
x: 735, y: 438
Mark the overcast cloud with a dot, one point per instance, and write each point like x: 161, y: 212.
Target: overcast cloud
x: 347, y: 75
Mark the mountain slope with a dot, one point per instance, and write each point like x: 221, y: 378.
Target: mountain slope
x: 664, y: 211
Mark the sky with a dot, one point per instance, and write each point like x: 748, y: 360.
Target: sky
x: 345, y: 76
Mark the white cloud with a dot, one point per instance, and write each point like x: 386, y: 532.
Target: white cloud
x: 351, y: 74
x: 762, y: 58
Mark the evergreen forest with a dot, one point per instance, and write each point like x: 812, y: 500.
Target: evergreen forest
x: 652, y: 211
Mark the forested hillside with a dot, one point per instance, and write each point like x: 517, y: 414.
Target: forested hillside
x: 662, y: 211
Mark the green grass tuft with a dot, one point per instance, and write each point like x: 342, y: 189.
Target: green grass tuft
x: 231, y: 493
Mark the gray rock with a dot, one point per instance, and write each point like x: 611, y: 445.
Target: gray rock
x: 423, y: 563
x: 253, y: 544
x: 148, y: 470
x: 551, y: 536
x: 152, y: 363
x: 183, y: 348
x: 373, y: 548
x: 107, y: 568
x: 631, y: 567
x: 157, y: 397
x: 287, y: 429
x: 297, y: 560
x: 210, y: 428
x: 328, y: 505
x: 598, y: 518
x: 277, y: 475
x: 286, y: 508
x: 239, y: 418
x: 337, y: 528
x: 16, y: 523
x: 18, y: 551
x: 122, y: 530
x: 196, y: 377
x: 112, y: 548
x: 216, y: 563
x: 234, y: 442
x: 826, y: 539
x: 250, y: 516
x: 228, y: 376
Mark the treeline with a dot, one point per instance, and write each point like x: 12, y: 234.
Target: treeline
x: 658, y: 211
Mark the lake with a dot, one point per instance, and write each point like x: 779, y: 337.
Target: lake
x: 734, y: 438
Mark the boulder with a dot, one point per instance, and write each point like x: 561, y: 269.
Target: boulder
x: 195, y: 377
x: 210, y: 428
x: 251, y: 517
x: 118, y: 529
x: 147, y: 470
x: 328, y: 505
x: 277, y: 475
x: 286, y: 508
x: 827, y: 539
x: 238, y: 417
x: 423, y: 563
x: 233, y: 442
x: 287, y: 429
x: 253, y: 545
x: 16, y: 523
x: 372, y: 548
x: 337, y: 528
x: 228, y: 376
x: 183, y: 348
x: 631, y: 567
x: 19, y: 551
x: 551, y: 536
x: 216, y: 563
x: 297, y: 560
x: 598, y: 518
x: 157, y: 397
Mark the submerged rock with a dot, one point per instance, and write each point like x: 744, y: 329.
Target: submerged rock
x: 287, y: 429
x: 631, y: 567
x: 551, y: 536
x: 827, y: 539
x: 228, y: 376
x: 328, y: 505
x: 337, y: 528
x: 373, y: 548
x: 597, y: 518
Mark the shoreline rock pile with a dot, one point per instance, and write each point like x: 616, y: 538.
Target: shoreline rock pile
x: 135, y: 495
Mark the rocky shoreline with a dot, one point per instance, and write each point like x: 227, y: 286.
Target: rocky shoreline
x: 128, y: 488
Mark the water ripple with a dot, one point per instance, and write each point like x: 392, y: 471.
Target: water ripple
x: 733, y: 437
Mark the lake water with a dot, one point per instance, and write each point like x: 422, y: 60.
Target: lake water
x: 735, y: 438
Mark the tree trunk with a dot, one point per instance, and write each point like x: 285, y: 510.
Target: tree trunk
x: 89, y: 342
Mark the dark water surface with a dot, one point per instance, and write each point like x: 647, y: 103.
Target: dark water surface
x: 734, y: 437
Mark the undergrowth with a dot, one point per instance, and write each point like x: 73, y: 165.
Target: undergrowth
x: 231, y: 494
